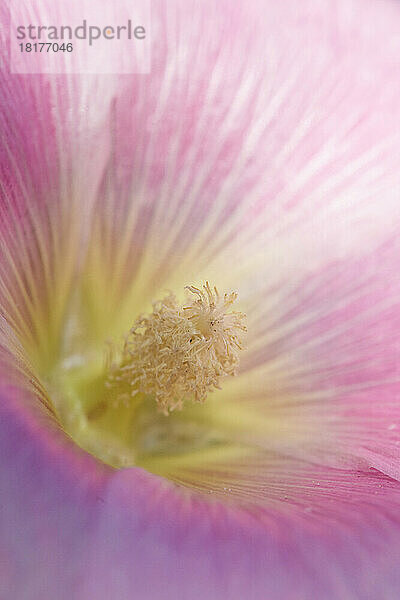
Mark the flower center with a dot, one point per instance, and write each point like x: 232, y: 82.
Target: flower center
x: 171, y: 359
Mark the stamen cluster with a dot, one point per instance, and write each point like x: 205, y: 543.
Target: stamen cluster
x: 179, y: 353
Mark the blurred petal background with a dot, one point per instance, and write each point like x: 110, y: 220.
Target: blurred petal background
x: 260, y: 153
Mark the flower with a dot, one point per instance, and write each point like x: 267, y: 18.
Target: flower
x: 261, y: 154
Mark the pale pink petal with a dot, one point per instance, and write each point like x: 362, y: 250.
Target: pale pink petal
x: 264, y: 150
x: 51, y: 155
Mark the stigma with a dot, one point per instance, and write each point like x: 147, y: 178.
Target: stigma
x: 180, y: 352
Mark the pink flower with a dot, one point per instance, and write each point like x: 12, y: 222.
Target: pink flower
x: 261, y: 153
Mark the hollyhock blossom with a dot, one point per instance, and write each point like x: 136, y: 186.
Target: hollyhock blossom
x: 260, y: 154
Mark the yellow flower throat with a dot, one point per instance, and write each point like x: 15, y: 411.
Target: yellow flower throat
x: 175, y: 355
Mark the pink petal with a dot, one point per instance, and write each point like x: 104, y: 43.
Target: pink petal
x: 350, y: 354
x: 124, y: 534
x: 52, y: 152
x: 304, y: 150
